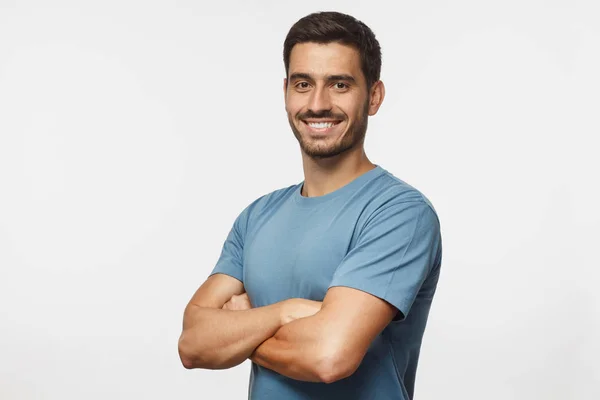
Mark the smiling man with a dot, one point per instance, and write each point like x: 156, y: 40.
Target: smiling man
x: 325, y: 285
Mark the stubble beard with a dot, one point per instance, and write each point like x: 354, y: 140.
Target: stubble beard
x: 354, y: 136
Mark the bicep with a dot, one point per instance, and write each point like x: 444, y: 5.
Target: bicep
x: 226, y: 277
x: 216, y: 291
x: 394, y: 255
x: 379, y: 278
x: 354, y: 318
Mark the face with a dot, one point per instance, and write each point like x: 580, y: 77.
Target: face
x: 326, y: 98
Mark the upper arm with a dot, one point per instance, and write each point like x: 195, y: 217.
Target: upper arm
x: 216, y: 291
x: 380, y: 277
x: 226, y: 278
x: 394, y: 254
x: 213, y: 293
x: 353, y: 319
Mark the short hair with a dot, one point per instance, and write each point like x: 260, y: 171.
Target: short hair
x: 330, y: 26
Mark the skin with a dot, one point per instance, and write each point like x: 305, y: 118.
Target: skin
x: 302, y: 339
x: 330, y: 344
x: 325, y: 83
x: 221, y: 329
x: 333, y: 158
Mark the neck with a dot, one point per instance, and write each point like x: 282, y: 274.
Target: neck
x: 323, y: 176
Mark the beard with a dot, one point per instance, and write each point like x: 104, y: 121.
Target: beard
x: 354, y: 135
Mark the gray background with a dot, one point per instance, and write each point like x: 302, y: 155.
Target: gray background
x: 133, y: 133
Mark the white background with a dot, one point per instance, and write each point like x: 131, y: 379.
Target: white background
x: 133, y: 133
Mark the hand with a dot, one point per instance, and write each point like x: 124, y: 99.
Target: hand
x: 293, y: 309
x: 238, y: 303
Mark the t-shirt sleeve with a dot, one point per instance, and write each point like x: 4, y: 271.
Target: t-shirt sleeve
x: 230, y: 261
x: 393, y: 255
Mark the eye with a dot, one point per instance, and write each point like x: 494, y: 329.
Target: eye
x: 302, y: 85
x: 340, y: 85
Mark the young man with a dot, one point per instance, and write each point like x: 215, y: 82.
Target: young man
x: 325, y: 285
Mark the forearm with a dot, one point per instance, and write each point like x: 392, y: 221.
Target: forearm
x: 217, y: 339
x: 298, y: 351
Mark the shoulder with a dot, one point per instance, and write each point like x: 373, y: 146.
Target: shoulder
x: 390, y: 194
x: 271, y: 200
x: 266, y: 203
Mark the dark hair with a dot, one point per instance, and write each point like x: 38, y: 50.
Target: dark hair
x: 331, y: 26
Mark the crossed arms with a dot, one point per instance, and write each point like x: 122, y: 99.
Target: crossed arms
x: 308, y: 340
x: 301, y: 339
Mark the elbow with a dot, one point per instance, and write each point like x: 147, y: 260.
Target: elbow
x: 335, y: 367
x: 187, y: 360
x: 188, y: 363
x: 186, y: 354
x: 192, y: 356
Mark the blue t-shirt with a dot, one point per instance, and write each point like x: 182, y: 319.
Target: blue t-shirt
x: 376, y: 234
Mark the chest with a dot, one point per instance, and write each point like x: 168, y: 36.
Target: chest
x: 296, y: 253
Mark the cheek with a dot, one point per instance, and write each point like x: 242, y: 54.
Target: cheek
x: 358, y: 112
x: 296, y: 101
x: 293, y: 108
x: 347, y: 106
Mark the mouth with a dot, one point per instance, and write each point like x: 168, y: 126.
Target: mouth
x: 321, y: 126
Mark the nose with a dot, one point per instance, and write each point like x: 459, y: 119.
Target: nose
x: 319, y: 100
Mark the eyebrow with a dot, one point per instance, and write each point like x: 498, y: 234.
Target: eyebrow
x: 329, y: 78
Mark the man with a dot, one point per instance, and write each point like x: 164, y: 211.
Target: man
x: 325, y: 285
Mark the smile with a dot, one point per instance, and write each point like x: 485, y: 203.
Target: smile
x: 321, y: 126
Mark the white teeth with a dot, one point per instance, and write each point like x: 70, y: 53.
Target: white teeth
x: 321, y: 125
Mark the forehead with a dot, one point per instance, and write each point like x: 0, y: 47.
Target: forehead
x: 325, y: 59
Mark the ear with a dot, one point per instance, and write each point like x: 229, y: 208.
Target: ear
x: 376, y: 97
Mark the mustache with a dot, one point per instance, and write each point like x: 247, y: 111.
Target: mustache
x: 321, y: 115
